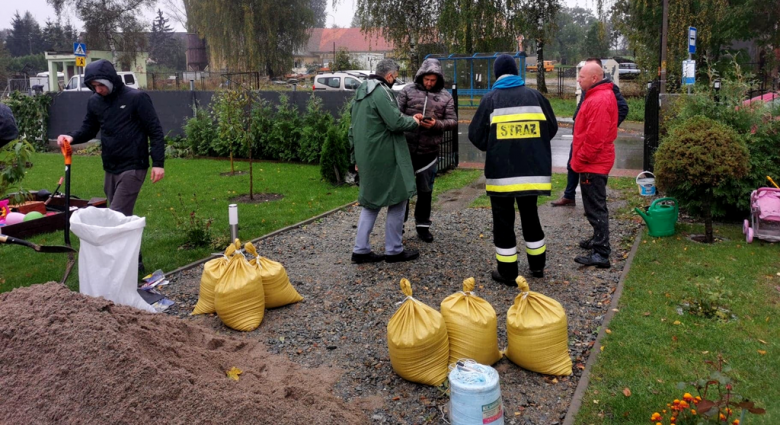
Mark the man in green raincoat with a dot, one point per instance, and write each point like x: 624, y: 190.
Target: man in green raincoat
x: 383, y: 161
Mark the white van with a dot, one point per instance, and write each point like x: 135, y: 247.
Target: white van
x: 339, y: 81
x: 76, y: 82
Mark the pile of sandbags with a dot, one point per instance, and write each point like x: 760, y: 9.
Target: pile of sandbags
x: 417, y: 340
x: 537, y: 334
x: 419, y: 337
x: 239, y: 290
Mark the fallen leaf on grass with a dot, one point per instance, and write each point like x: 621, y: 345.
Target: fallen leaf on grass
x: 705, y: 352
x: 647, y: 313
x: 762, y: 341
x: 676, y: 323
x: 626, y: 392
x: 762, y: 352
x: 595, y: 402
x: 601, y: 348
x: 608, y: 331
x: 233, y: 373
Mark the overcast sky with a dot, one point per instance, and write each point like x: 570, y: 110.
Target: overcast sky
x: 341, y: 14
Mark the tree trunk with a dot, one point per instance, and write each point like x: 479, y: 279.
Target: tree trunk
x: 251, y: 182
x: 707, y: 206
x: 232, y: 169
x: 540, y: 84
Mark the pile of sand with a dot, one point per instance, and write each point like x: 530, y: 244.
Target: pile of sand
x: 66, y: 358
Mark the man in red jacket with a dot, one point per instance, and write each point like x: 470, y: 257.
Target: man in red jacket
x: 593, y: 154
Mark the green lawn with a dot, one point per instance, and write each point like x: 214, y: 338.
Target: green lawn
x: 651, y: 347
x: 305, y: 196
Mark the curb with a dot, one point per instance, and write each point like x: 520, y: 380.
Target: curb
x: 576, y: 400
x: 274, y: 233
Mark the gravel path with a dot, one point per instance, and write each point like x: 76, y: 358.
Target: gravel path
x: 343, y: 318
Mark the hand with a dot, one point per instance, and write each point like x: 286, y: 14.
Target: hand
x: 417, y: 118
x: 63, y: 138
x: 429, y: 123
x: 157, y: 174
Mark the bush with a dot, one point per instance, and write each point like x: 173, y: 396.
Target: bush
x: 201, y: 133
x: 260, y: 126
x: 316, y: 123
x: 334, y: 161
x: 284, y: 139
x: 32, y: 117
x: 755, y: 125
x: 14, y: 162
x: 697, y: 156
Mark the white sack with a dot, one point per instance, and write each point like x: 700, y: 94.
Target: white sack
x: 108, y: 255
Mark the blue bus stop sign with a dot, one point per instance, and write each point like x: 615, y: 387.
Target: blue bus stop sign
x: 691, y: 40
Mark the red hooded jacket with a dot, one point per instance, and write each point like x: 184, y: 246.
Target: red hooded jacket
x: 595, y: 131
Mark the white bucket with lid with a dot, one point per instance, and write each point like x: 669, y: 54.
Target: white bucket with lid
x: 475, y: 394
x: 646, y: 182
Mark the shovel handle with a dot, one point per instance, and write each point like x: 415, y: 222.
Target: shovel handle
x: 13, y: 240
x: 67, y: 152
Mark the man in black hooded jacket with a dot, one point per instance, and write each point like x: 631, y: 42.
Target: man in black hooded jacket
x: 128, y: 122
x: 8, y: 130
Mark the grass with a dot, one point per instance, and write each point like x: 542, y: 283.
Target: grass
x: 454, y: 179
x: 651, y: 347
x: 305, y: 196
x: 564, y: 108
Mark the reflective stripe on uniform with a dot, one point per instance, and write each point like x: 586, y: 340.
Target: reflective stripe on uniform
x: 535, y: 248
x: 517, y: 113
x: 519, y: 184
x: 506, y: 255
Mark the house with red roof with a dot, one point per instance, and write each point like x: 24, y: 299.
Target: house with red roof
x: 366, y: 49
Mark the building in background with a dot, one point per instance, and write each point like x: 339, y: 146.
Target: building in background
x: 365, y: 50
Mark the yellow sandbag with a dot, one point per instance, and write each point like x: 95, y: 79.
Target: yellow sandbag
x: 278, y: 290
x: 212, y: 272
x: 239, y: 297
x: 471, y: 326
x: 417, y: 339
x: 537, y: 334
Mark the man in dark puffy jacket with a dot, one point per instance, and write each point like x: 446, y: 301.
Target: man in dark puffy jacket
x: 426, y: 97
x: 8, y: 130
x: 514, y: 125
x: 573, y: 178
x: 593, y: 155
x: 128, y: 122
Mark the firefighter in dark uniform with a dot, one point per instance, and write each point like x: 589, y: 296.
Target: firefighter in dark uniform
x: 514, y: 125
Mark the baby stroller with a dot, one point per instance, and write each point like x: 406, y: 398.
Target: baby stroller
x: 764, y: 215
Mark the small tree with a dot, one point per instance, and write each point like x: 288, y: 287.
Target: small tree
x: 696, y: 157
x: 334, y: 160
x: 316, y: 123
x: 14, y: 162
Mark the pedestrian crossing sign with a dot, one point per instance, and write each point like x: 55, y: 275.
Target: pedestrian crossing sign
x: 80, y: 49
x: 81, y: 61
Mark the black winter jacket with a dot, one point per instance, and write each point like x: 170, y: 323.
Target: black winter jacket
x: 8, y: 130
x: 515, y: 126
x: 622, y: 105
x: 127, y: 121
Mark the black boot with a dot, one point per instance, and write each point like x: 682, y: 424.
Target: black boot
x: 594, y: 259
x: 424, y: 234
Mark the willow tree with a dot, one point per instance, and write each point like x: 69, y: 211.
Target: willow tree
x: 246, y: 35
x: 114, y: 25
x: 536, y: 18
x: 462, y: 26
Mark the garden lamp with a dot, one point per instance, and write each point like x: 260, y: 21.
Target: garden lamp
x: 233, y: 221
x: 716, y: 86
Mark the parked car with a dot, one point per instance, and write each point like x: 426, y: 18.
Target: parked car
x: 338, y: 81
x: 76, y: 82
x: 628, y: 70
x: 548, y: 67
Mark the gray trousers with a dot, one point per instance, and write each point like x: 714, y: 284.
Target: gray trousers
x: 594, y: 199
x: 393, y: 229
x: 122, y: 190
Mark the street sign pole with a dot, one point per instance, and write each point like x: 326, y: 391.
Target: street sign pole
x: 691, y: 51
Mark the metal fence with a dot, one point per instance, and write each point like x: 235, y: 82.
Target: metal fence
x: 448, y: 150
x: 203, y: 80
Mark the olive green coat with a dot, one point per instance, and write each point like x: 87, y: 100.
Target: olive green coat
x: 379, y: 146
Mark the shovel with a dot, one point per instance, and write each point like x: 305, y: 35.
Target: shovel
x: 37, y: 248
x: 67, y: 152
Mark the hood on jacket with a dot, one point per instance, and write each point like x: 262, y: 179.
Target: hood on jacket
x: 369, y: 86
x: 430, y: 66
x: 102, y: 70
